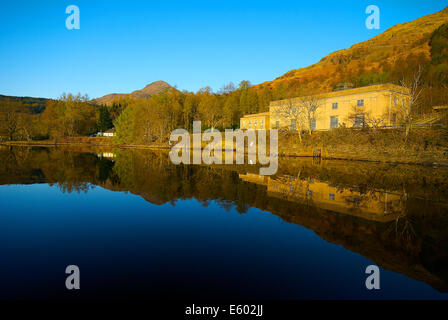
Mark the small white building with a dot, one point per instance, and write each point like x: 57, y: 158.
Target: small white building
x: 108, y: 133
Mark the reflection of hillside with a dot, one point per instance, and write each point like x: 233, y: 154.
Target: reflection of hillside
x: 373, y: 205
x: 401, y: 230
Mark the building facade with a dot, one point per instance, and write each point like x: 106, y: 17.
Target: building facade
x: 256, y: 121
x: 381, y: 105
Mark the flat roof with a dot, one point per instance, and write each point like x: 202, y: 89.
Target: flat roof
x: 262, y: 114
x: 440, y: 107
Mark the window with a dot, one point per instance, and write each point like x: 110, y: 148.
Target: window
x: 294, y: 110
x: 356, y: 201
x: 395, y: 101
x: 261, y: 124
x: 394, y: 118
x: 359, y: 121
x: 249, y: 125
x: 310, y: 193
x: 333, y: 122
x: 277, y: 124
x: 331, y: 196
x: 293, y: 125
x: 291, y: 188
x: 360, y: 103
x: 334, y: 106
x: 313, y: 108
x: 255, y: 124
x: 243, y: 124
x: 313, y: 124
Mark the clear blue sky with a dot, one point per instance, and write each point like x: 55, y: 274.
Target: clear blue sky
x: 124, y: 45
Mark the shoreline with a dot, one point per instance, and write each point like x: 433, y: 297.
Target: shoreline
x: 304, y: 154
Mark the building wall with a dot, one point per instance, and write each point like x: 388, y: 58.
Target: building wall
x: 259, y: 118
x: 380, y: 101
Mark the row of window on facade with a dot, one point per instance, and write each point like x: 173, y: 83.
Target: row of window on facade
x: 249, y: 124
x: 309, y: 193
x: 331, y: 196
x: 333, y: 123
x: 359, y: 103
x: 358, y: 122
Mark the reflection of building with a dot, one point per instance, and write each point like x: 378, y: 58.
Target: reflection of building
x: 440, y: 108
x: 109, y: 155
x: 374, y: 205
x: 255, y: 178
x: 382, y: 101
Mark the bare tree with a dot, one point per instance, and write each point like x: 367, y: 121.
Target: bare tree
x: 300, y: 113
x: 414, y: 89
x: 360, y: 118
x: 310, y: 106
x: 292, y: 114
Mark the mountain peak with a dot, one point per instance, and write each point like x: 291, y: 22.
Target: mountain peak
x: 150, y: 89
x: 157, y: 83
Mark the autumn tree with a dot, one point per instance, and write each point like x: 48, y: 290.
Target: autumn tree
x: 69, y: 116
x: 10, y: 122
x: 209, y: 108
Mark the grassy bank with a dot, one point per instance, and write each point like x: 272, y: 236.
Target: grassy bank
x: 427, y: 146
x: 423, y: 146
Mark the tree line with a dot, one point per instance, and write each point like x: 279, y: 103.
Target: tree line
x: 69, y: 116
x: 144, y: 121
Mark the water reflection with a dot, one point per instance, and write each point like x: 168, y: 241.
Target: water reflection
x: 375, y: 205
x: 396, y: 215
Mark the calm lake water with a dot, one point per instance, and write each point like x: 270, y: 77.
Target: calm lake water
x: 139, y: 227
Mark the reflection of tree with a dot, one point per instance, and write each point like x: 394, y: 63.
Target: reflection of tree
x: 77, y: 187
x: 70, y: 171
x: 404, y: 224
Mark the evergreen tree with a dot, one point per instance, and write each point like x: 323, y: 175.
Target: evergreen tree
x: 104, y: 120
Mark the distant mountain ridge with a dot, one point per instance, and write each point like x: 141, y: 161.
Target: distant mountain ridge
x: 35, y: 105
x: 151, y: 89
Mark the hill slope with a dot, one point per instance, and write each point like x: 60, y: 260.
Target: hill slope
x: 408, y: 42
x: 150, y: 89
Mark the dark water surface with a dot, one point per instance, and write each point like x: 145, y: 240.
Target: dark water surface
x: 138, y: 226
